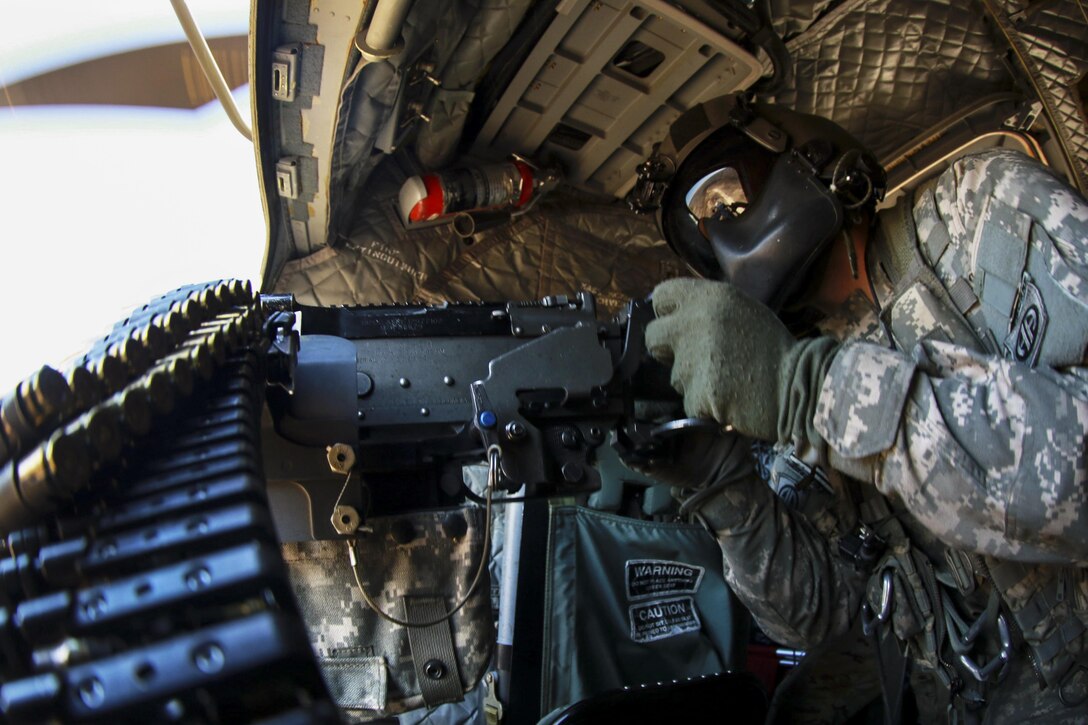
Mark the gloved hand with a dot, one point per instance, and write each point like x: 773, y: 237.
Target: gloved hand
x: 700, y: 464
x: 734, y: 361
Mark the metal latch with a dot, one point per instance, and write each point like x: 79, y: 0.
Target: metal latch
x: 492, y: 704
x: 285, y: 71
x: 1025, y: 117
x: 287, y: 177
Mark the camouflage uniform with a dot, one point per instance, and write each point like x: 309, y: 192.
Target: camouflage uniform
x: 975, y: 438
x: 415, y: 567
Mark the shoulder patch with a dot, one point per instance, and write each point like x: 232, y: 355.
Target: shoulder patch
x: 1028, y: 324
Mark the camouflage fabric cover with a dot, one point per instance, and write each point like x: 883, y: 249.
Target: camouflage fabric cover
x: 366, y: 660
x: 974, y: 453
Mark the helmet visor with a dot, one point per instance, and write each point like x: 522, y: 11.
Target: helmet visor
x: 718, y: 195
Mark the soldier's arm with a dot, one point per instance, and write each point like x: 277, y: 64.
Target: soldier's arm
x: 798, y: 589
x: 988, y: 453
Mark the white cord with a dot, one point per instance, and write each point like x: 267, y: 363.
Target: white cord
x: 207, y: 64
x: 493, y: 456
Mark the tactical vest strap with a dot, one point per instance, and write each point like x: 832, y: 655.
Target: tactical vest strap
x: 1056, y: 648
x: 898, y: 253
x: 916, y: 617
x: 432, y: 651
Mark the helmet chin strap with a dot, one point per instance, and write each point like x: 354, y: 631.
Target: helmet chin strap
x: 844, y: 273
x: 851, y: 253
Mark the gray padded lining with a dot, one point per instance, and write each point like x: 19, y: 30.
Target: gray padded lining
x: 493, y: 25
x: 793, y: 17
x: 566, y: 244
x: 887, y: 70
x: 461, y: 38
x: 1055, y: 37
x: 369, y: 100
x: 437, y: 142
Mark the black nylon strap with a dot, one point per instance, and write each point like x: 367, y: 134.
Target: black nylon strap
x: 432, y: 651
x: 891, y: 667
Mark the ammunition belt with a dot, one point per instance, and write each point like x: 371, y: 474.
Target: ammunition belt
x: 141, y: 578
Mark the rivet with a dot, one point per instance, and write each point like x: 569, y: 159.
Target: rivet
x: 198, y: 578
x: 515, y: 431
x: 435, y: 669
x: 92, y: 692
x: 572, y: 472
x: 95, y: 607
x: 209, y: 658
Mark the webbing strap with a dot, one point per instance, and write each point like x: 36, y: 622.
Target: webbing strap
x: 891, y: 666
x: 1055, y: 646
x: 898, y: 253
x: 432, y: 651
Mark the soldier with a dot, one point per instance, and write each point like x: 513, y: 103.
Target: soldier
x: 930, y: 434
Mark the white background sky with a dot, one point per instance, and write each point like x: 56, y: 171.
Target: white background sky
x: 102, y: 208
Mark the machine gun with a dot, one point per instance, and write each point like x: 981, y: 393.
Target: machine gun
x: 411, y: 393
x: 142, y: 577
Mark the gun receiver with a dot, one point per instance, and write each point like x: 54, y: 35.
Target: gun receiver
x: 415, y: 392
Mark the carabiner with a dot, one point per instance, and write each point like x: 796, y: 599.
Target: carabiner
x: 886, y: 591
x: 886, y: 596
x: 998, y: 664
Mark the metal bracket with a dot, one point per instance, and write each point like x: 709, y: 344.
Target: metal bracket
x: 570, y: 360
x: 287, y: 185
x: 285, y: 71
x: 1025, y: 117
x: 492, y: 705
x: 539, y: 318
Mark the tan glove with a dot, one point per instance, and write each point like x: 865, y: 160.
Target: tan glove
x: 734, y: 361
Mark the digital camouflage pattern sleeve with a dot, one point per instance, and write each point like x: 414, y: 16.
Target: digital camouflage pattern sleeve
x: 782, y: 566
x: 988, y: 452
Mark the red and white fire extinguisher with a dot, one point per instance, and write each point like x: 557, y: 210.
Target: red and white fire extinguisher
x: 511, y: 186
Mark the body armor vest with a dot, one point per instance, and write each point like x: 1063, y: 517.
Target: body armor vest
x: 1044, y: 606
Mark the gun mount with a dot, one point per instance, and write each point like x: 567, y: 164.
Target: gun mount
x: 416, y: 392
